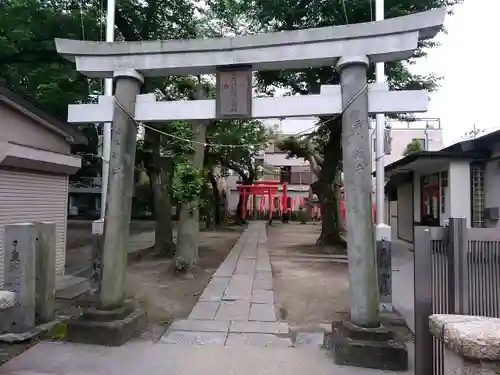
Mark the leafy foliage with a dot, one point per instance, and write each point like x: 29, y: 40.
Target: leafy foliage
x: 322, y: 149
x: 30, y: 64
x: 412, y: 147
x: 248, y: 138
x: 29, y: 61
x: 188, y: 182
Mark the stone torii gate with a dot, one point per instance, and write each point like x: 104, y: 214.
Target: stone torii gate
x: 350, y: 47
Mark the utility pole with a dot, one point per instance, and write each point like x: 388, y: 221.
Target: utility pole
x: 380, y: 134
x: 383, y: 231
x: 108, y: 91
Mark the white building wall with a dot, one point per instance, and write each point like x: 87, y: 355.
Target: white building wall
x: 459, y: 189
x: 492, y: 184
x: 401, y: 137
x: 404, y: 219
x: 280, y: 159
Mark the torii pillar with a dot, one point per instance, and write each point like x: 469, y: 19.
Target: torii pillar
x: 362, y: 341
x: 112, y: 321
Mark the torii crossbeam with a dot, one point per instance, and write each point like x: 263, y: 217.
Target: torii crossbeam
x: 328, y: 102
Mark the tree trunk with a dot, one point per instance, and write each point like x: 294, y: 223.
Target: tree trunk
x: 160, y: 174
x: 239, y: 209
x: 326, y: 188
x: 330, y: 218
x: 216, y: 199
x: 151, y: 178
x: 164, y: 242
x: 224, y: 212
x: 189, y: 218
x: 239, y: 212
x: 188, y: 232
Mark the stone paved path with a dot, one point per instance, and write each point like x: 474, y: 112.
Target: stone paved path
x: 232, y: 330
x: 237, y: 306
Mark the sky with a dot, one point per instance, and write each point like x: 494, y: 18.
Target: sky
x: 466, y: 62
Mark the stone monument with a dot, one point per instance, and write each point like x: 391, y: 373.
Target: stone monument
x: 350, y: 47
x: 45, y: 283
x: 19, y: 276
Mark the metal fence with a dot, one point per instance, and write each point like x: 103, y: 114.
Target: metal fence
x: 457, y: 271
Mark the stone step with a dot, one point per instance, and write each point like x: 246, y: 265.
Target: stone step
x: 70, y: 287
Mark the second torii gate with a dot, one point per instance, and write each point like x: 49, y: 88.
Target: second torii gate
x: 262, y: 187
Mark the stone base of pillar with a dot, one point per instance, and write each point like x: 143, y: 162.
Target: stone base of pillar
x: 376, y: 348
x: 392, y: 318
x: 106, y: 327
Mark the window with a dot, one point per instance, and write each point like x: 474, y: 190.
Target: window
x: 477, y: 195
x: 286, y: 174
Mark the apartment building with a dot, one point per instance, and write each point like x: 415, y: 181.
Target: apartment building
x: 426, y: 131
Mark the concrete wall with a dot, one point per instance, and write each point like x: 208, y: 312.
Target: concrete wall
x: 404, y: 212
x: 19, y: 128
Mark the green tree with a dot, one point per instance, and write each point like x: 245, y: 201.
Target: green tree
x: 29, y: 61
x: 163, y: 148
x: 322, y: 148
x: 160, y: 19
x: 248, y: 138
x: 412, y: 147
x: 30, y: 64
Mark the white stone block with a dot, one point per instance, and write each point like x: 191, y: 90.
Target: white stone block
x: 7, y: 299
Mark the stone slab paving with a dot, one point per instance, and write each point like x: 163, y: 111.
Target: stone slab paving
x: 139, y: 357
x: 237, y: 307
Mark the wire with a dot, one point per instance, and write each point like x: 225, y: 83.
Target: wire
x: 320, y: 124
x: 211, y: 144
x: 130, y: 116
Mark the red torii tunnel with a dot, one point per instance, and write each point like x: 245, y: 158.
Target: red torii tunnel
x: 262, y: 187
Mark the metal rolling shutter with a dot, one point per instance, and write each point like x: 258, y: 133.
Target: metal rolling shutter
x: 27, y: 196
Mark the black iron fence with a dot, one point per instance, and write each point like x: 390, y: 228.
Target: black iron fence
x: 457, y: 271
